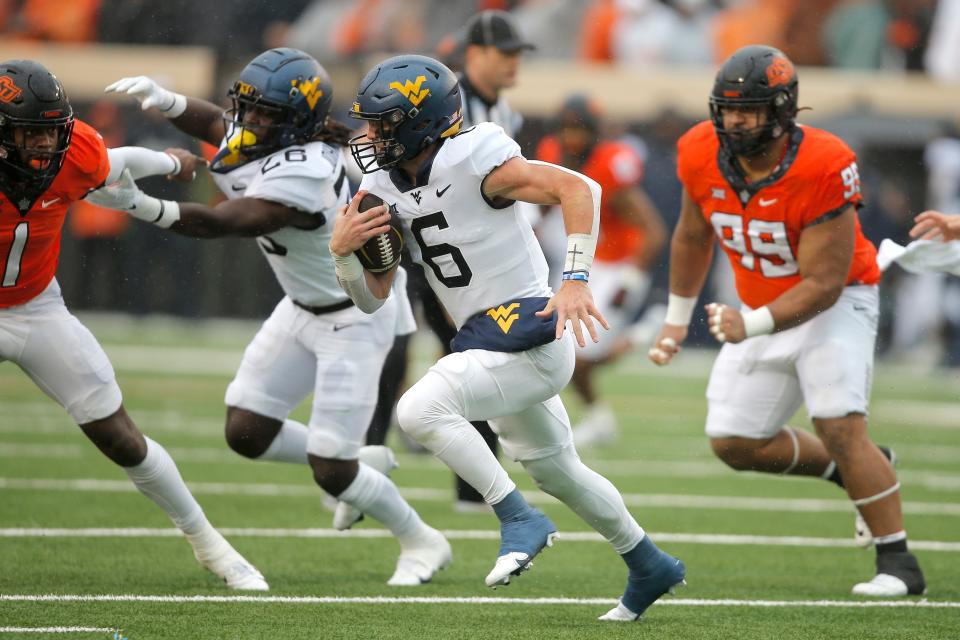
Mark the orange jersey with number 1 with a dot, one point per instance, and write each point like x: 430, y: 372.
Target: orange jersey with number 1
x: 30, y: 243
x: 759, y: 225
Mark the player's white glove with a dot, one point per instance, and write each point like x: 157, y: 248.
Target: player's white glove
x: 150, y: 94
x: 124, y: 194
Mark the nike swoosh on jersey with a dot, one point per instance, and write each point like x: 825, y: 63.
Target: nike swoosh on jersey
x: 338, y: 327
x: 440, y: 192
x: 46, y: 203
x: 767, y: 203
x: 238, y: 187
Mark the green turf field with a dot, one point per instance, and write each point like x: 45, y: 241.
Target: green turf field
x: 767, y: 557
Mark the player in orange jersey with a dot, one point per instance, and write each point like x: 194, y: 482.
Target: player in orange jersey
x: 782, y: 200
x: 48, y: 160
x: 632, y: 235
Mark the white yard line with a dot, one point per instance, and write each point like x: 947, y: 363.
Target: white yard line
x: 666, y: 500
x: 681, y: 602
x: 56, y: 630
x: 931, y: 480
x: 462, y: 534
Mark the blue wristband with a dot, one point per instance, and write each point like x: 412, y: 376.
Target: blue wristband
x: 576, y: 275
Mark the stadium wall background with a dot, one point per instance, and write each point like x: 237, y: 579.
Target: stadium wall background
x: 887, y: 117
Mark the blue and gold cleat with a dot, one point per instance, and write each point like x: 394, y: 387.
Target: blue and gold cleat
x: 653, y: 573
x: 521, y: 539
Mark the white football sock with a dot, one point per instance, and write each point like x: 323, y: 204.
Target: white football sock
x: 290, y: 444
x: 157, y: 478
x: 590, y: 495
x: 375, y: 495
x: 429, y: 413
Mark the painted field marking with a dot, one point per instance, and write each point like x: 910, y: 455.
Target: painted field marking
x: 55, y: 630
x: 666, y: 500
x: 677, y: 602
x: 462, y: 534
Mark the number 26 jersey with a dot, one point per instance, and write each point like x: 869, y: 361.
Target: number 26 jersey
x: 759, y: 224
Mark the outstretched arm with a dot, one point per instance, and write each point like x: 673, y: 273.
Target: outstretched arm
x: 201, y: 119
x: 579, y: 199
x: 241, y: 217
x: 177, y: 164
x: 933, y: 225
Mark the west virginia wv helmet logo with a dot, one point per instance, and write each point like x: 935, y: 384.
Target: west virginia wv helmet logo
x: 245, y: 88
x: 8, y: 90
x: 411, y: 90
x: 504, y: 316
x: 309, y: 88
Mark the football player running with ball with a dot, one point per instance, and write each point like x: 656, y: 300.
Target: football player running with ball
x: 453, y: 192
x: 281, y: 167
x: 48, y: 161
x: 782, y: 200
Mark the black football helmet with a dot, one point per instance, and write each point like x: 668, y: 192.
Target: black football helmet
x: 580, y: 111
x: 761, y: 77
x: 412, y: 101
x: 289, y: 84
x: 32, y: 101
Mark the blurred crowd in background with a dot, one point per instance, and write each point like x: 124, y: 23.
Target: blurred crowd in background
x: 863, y: 34
x: 110, y: 263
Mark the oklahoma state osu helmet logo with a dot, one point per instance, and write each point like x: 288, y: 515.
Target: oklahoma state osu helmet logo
x: 8, y: 90
x: 779, y: 72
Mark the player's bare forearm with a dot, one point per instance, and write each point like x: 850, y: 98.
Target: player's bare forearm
x: 825, y: 253
x: 802, y: 302
x: 691, y: 250
x: 202, y: 120
x: 245, y: 217
x: 543, y: 183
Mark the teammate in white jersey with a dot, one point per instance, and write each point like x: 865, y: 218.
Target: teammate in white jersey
x: 453, y: 193
x: 281, y: 166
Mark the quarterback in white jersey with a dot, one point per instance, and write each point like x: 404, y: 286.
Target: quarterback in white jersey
x: 453, y: 193
x: 281, y: 166
x: 475, y: 256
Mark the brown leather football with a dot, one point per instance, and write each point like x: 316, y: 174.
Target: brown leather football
x: 381, y: 252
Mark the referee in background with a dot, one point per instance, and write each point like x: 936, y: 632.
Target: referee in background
x: 489, y: 50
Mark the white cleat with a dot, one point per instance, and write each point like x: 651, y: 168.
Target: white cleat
x: 883, y: 585
x: 226, y: 563
x: 418, y: 563
x: 380, y: 458
x: 512, y: 564
x: 620, y: 614
x: 599, y: 426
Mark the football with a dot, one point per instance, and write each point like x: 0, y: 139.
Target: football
x: 381, y: 252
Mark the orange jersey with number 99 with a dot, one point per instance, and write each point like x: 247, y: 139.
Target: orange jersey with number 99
x: 30, y: 242
x: 759, y: 224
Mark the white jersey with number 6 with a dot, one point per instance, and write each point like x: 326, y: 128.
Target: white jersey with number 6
x: 310, y: 178
x: 476, y: 254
